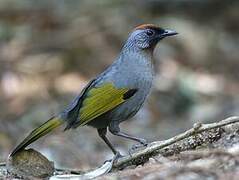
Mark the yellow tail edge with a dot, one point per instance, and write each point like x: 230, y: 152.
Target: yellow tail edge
x: 45, y: 128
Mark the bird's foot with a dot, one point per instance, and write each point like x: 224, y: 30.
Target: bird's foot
x: 115, y: 158
x: 143, y: 143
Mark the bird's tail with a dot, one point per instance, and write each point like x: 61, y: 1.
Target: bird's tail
x: 38, y: 132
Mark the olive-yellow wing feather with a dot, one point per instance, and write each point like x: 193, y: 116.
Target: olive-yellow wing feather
x: 102, y: 99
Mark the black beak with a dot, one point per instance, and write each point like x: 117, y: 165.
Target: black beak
x: 168, y: 32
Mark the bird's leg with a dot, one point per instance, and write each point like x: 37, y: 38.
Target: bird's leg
x: 114, y: 129
x: 102, y: 133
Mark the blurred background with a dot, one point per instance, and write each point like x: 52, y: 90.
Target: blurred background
x: 50, y: 49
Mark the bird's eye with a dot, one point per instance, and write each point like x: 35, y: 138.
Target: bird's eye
x: 149, y: 32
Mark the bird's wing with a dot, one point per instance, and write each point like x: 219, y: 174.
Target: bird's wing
x: 95, y: 101
x: 71, y: 113
x: 102, y: 99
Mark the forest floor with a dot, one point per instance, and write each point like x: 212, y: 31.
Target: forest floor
x: 208, y: 151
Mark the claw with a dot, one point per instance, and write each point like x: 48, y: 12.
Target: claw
x: 143, y: 142
x: 115, y: 158
x: 135, y: 147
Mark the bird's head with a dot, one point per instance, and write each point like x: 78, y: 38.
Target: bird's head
x: 146, y: 37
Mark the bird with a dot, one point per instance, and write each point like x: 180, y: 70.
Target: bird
x: 115, y: 95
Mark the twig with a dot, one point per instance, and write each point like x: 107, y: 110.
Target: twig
x: 155, y: 146
x: 69, y: 171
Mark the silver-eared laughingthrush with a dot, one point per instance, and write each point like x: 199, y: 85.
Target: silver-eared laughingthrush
x: 115, y: 95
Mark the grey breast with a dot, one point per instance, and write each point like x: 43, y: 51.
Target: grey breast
x: 133, y: 71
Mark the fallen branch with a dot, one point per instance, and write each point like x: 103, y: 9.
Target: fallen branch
x: 143, y: 155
